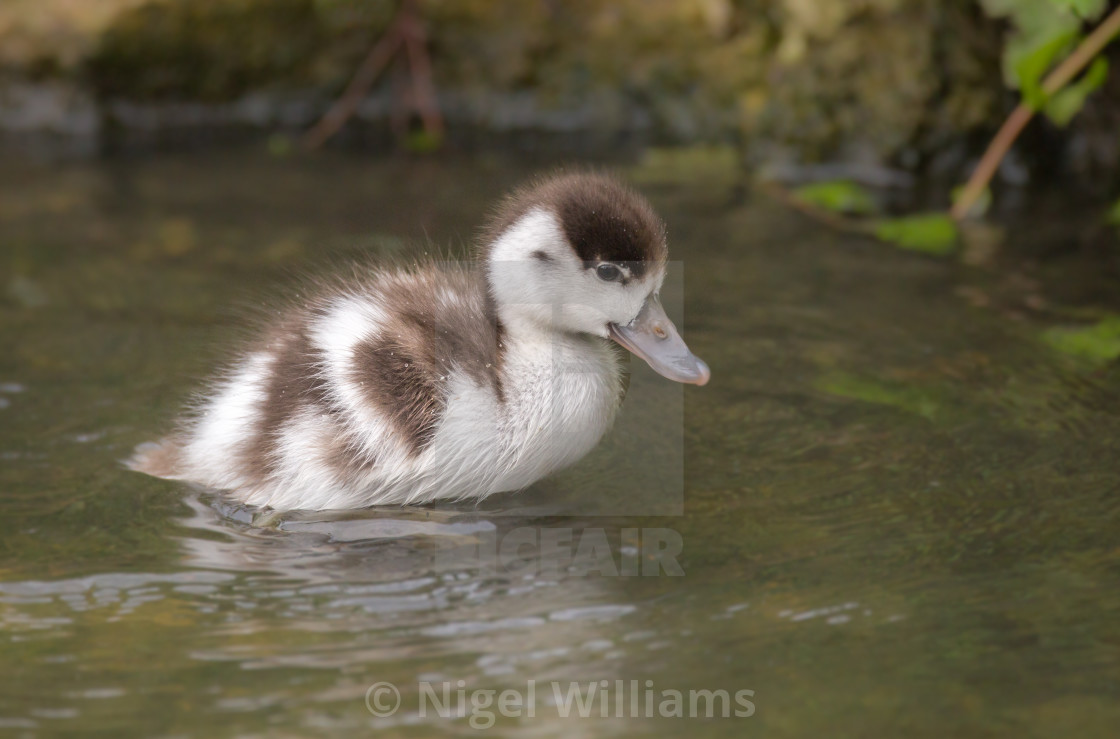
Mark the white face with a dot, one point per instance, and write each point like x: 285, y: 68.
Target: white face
x: 537, y: 278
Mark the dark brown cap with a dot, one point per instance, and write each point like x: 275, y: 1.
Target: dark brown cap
x: 603, y: 219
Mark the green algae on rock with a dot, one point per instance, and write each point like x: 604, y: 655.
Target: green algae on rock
x: 928, y: 233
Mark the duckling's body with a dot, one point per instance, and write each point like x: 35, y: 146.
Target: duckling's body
x: 442, y: 381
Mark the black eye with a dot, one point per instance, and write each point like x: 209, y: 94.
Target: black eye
x: 608, y: 272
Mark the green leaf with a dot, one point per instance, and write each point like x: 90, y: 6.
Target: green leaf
x: 839, y: 196
x: 1113, y: 216
x: 1036, y: 23
x: 1088, y: 10
x: 1099, y: 342
x: 1032, y: 65
x: 423, y: 142
x: 279, y: 145
x: 1067, y: 102
x: 928, y: 233
x: 982, y: 204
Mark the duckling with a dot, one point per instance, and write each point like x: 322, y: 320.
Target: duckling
x: 442, y: 381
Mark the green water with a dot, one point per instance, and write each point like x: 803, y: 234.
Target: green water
x: 900, y: 501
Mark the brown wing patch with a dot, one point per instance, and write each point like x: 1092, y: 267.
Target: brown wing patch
x: 441, y: 322
x: 404, y: 384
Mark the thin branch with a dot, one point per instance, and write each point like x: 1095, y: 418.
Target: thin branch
x: 1086, y: 51
x: 405, y: 34
x: 348, y: 102
x: 423, y: 90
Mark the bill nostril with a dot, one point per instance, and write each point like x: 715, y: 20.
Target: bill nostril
x: 659, y: 331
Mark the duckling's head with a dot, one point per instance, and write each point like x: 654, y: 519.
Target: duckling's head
x: 583, y: 253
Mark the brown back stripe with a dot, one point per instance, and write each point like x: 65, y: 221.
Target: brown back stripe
x: 294, y: 383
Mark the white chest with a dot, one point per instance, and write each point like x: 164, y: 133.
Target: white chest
x: 561, y: 398
x: 560, y: 395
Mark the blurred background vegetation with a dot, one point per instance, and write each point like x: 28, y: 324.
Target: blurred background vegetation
x: 915, y: 85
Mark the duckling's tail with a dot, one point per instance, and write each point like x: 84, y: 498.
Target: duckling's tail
x: 161, y: 458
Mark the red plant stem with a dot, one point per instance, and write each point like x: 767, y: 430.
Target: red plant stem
x: 424, y: 92
x: 405, y: 33
x: 348, y: 102
x: 1086, y: 51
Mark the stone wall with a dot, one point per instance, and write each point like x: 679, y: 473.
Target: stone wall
x: 898, y: 82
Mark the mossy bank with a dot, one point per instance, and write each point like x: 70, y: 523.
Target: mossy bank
x: 905, y: 83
